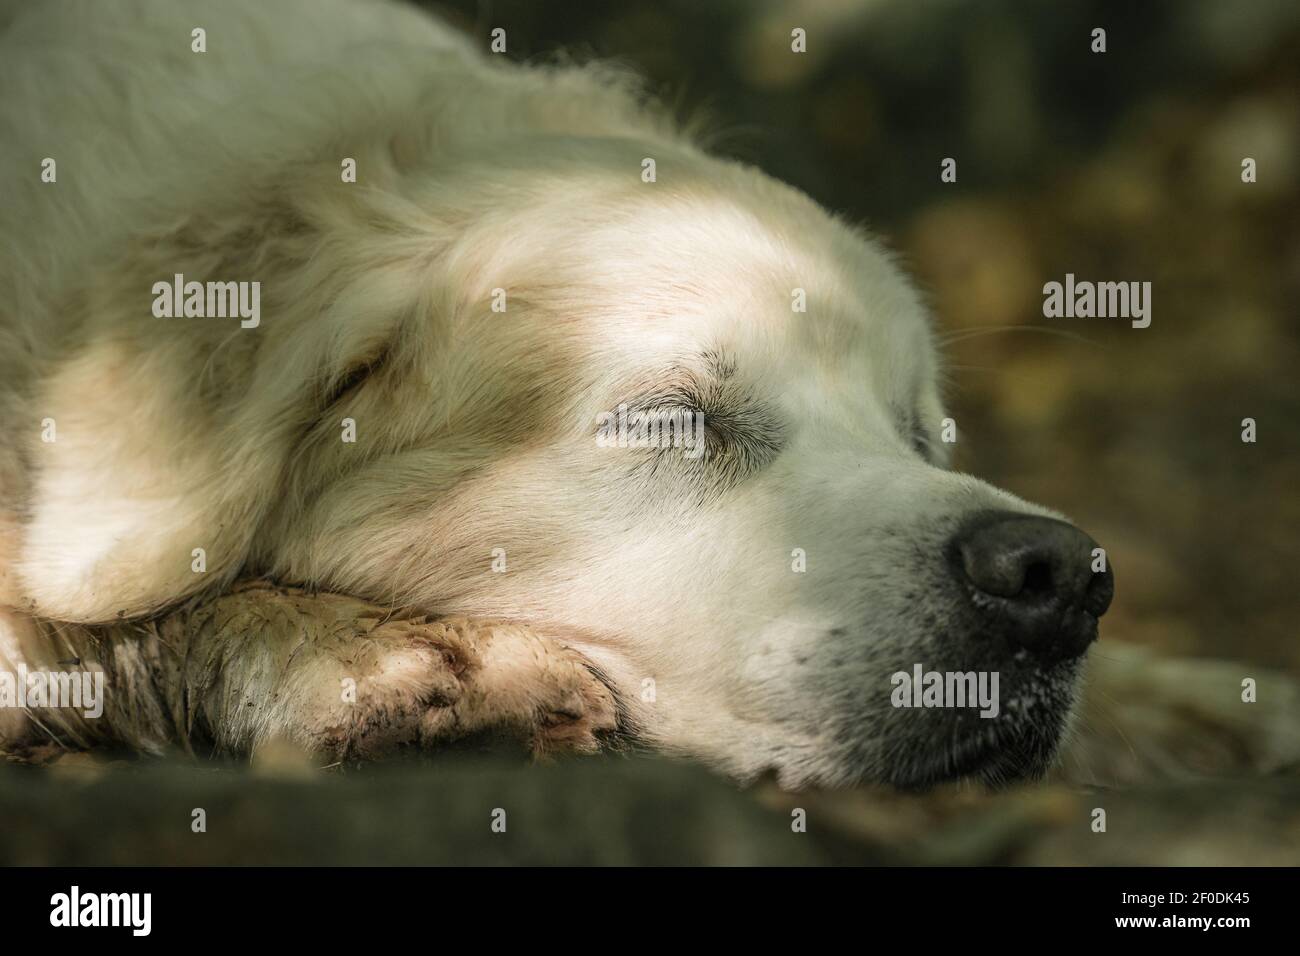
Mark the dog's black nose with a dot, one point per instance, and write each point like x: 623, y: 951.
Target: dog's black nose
x: 1032, y: 579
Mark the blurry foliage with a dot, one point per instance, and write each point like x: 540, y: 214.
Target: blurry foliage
x: 1115, y: 166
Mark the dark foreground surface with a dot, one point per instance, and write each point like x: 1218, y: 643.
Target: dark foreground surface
x: 613, y: 811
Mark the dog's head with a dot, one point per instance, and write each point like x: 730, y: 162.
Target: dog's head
x: 694, y: 426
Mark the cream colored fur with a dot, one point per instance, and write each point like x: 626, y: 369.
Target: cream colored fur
x: 474, y: 428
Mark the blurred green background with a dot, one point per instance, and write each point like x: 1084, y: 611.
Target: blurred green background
x: 1122, y: 166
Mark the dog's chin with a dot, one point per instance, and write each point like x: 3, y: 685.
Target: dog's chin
x: 996, y: 756
x: 1019, y: 744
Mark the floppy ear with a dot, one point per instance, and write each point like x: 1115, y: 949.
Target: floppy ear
x: 170, y: 435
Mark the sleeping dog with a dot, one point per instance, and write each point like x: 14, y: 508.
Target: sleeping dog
x: 549, y: 421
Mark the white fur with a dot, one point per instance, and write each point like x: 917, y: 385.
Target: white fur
x: 477, y: 430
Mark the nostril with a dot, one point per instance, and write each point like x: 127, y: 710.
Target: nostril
x: 1038, y: 578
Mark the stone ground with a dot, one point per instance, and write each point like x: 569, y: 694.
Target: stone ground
x: 616, y: 811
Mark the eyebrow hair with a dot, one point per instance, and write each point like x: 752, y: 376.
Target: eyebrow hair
x: 688, y: 382
x: 719, y: 364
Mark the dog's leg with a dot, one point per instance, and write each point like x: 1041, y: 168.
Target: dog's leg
x: 345, y: 679
x: 66, y: 687
x: 335, y: 675
x: 1145, y: 717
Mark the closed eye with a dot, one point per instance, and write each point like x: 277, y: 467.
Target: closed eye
x: 925, y: 442
x: 912, y: 427
x: 701, y: 438
x: 921, y: 442
x: 352, y: 380
x: 734, y: 425
x: 735, y: 433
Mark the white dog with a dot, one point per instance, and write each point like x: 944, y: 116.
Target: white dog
x: 314, y: 291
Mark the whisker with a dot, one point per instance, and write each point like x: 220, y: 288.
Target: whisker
x: 952, y: 337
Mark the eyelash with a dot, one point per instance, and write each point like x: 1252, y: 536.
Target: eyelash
x: 353, y: 379
x: 737, y: 449
x: 711, y: 436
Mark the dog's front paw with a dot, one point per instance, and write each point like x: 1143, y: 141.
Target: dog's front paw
x: 413, y: 683
x: 525, y: 684
x: 386, y: 684
x: 348, y: 680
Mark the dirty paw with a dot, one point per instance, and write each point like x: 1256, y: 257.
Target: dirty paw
x: 527, y: 685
